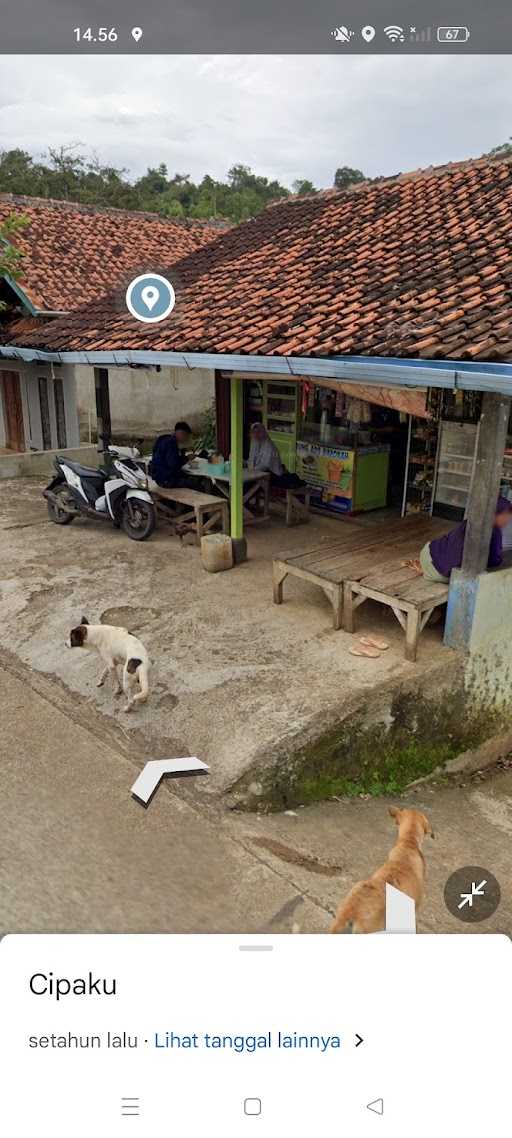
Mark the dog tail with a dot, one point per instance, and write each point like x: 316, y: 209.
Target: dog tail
x: 141, y: 670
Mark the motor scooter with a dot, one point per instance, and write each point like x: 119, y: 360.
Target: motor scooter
x: 116, y: 492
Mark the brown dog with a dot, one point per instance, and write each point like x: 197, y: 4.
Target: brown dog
x: 364, y: 910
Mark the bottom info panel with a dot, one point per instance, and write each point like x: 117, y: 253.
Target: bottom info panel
x: 233, y: 1035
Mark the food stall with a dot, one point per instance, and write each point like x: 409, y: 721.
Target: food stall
x: 348, y: 441
x: 441, y: 456
x: 344, y: 479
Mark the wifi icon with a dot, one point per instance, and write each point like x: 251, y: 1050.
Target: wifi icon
x: 394, y: 33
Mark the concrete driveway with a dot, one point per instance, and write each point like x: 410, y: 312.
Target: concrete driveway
x: 77, y: 853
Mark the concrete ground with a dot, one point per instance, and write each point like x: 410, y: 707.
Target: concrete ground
x: 237, y: 679
x: 233, y: 674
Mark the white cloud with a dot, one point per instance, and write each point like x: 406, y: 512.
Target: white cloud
x: 285, y: 116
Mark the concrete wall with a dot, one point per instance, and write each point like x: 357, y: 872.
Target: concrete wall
x: 40, y: 463
x: 29, y: 375
x: 489, y: 664
x: 143, y: 400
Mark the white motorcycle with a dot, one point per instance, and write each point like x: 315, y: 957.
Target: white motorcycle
x: 116, y: 492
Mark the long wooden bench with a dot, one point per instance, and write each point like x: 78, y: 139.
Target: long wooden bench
x: 207, y: 511
x: 411, y: 598
x: 330, y: 564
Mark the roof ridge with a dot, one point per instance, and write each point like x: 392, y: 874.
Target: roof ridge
x: 89, y: 208
x: 368, y: 184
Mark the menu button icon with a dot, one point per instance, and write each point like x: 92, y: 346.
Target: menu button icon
x: 130, y: 1107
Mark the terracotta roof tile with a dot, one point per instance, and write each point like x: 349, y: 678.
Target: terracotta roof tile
x: 419, y: 265
x: 74, y: 253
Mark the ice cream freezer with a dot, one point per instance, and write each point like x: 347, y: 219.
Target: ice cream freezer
x: 344, y: 481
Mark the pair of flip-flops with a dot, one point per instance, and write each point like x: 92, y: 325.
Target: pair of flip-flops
x: 369, y: 646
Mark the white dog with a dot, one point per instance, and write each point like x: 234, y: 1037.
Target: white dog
x: 117, y: 648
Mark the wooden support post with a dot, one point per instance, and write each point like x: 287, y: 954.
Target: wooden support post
x: 104, y: 425
x: 492, y: 439
x: 237, y: 459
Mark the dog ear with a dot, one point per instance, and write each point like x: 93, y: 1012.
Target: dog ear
x: 84, y: 620
x: 395, y: 812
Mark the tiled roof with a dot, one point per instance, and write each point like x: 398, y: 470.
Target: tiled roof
x: 416, y: 266
x: 75, y: 253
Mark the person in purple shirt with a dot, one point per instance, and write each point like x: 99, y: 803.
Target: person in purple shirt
x: 440, y: 556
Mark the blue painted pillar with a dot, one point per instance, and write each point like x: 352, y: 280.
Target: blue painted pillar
x: 461, y: 610
x: 464, y: 583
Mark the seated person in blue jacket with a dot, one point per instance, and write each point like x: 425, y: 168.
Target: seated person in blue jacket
x: 264, y: 456
x: 440, y: 556
x: 169, y: 456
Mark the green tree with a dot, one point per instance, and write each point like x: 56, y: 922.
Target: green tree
x: 66, y: 174
x: 346, y: 176
x: 11, y: 258
x: 304, y: 186
x: 504, y: 148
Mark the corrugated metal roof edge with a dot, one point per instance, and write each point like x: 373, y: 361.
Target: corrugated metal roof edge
x: 392, y: 372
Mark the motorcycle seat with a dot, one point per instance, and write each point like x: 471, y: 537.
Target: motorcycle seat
x: 83, y: 471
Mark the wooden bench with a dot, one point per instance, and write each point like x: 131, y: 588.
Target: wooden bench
x: 206, y: 510
x: 330, y: 564
x: 295, y: 500
x: 411, y: 598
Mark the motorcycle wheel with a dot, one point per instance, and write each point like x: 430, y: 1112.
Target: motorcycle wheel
x: 138, y: 519
x: 57, y: 512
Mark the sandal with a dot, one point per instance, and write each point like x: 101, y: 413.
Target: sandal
x: 364, y: 650
x: 374, y: 642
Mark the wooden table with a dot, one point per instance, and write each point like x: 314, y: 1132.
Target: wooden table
x: 331, y: 564
x: 412, y: 599
x: 256, y: 486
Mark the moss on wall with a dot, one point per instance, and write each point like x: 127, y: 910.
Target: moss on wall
x: 355, y: 757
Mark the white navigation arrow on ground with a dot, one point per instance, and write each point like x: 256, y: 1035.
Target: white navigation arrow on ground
x: 400, y: 911
x: 149, y: 779
x: 476, y: 891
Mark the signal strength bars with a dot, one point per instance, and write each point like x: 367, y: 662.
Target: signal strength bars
x: 130, y: 1107
x: 423, y: 36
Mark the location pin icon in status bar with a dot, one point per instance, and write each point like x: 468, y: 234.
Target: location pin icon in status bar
x: 137, y: 34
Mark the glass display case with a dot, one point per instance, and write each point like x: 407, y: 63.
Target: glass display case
x: 456, y: 464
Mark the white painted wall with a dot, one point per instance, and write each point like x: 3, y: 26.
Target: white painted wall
x: 143, y: 401
x: 29, y: 375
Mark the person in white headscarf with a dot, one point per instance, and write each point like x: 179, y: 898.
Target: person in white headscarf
x: 264, y: 456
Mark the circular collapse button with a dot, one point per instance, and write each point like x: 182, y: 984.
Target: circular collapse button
x: 472, y: 894
x: 150, y: 298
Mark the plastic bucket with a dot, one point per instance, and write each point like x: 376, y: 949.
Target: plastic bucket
x: 216, y: 552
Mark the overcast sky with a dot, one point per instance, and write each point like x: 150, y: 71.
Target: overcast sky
x: 285, y: 116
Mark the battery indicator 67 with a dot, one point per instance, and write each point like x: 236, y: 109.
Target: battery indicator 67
x: 453, y: 35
